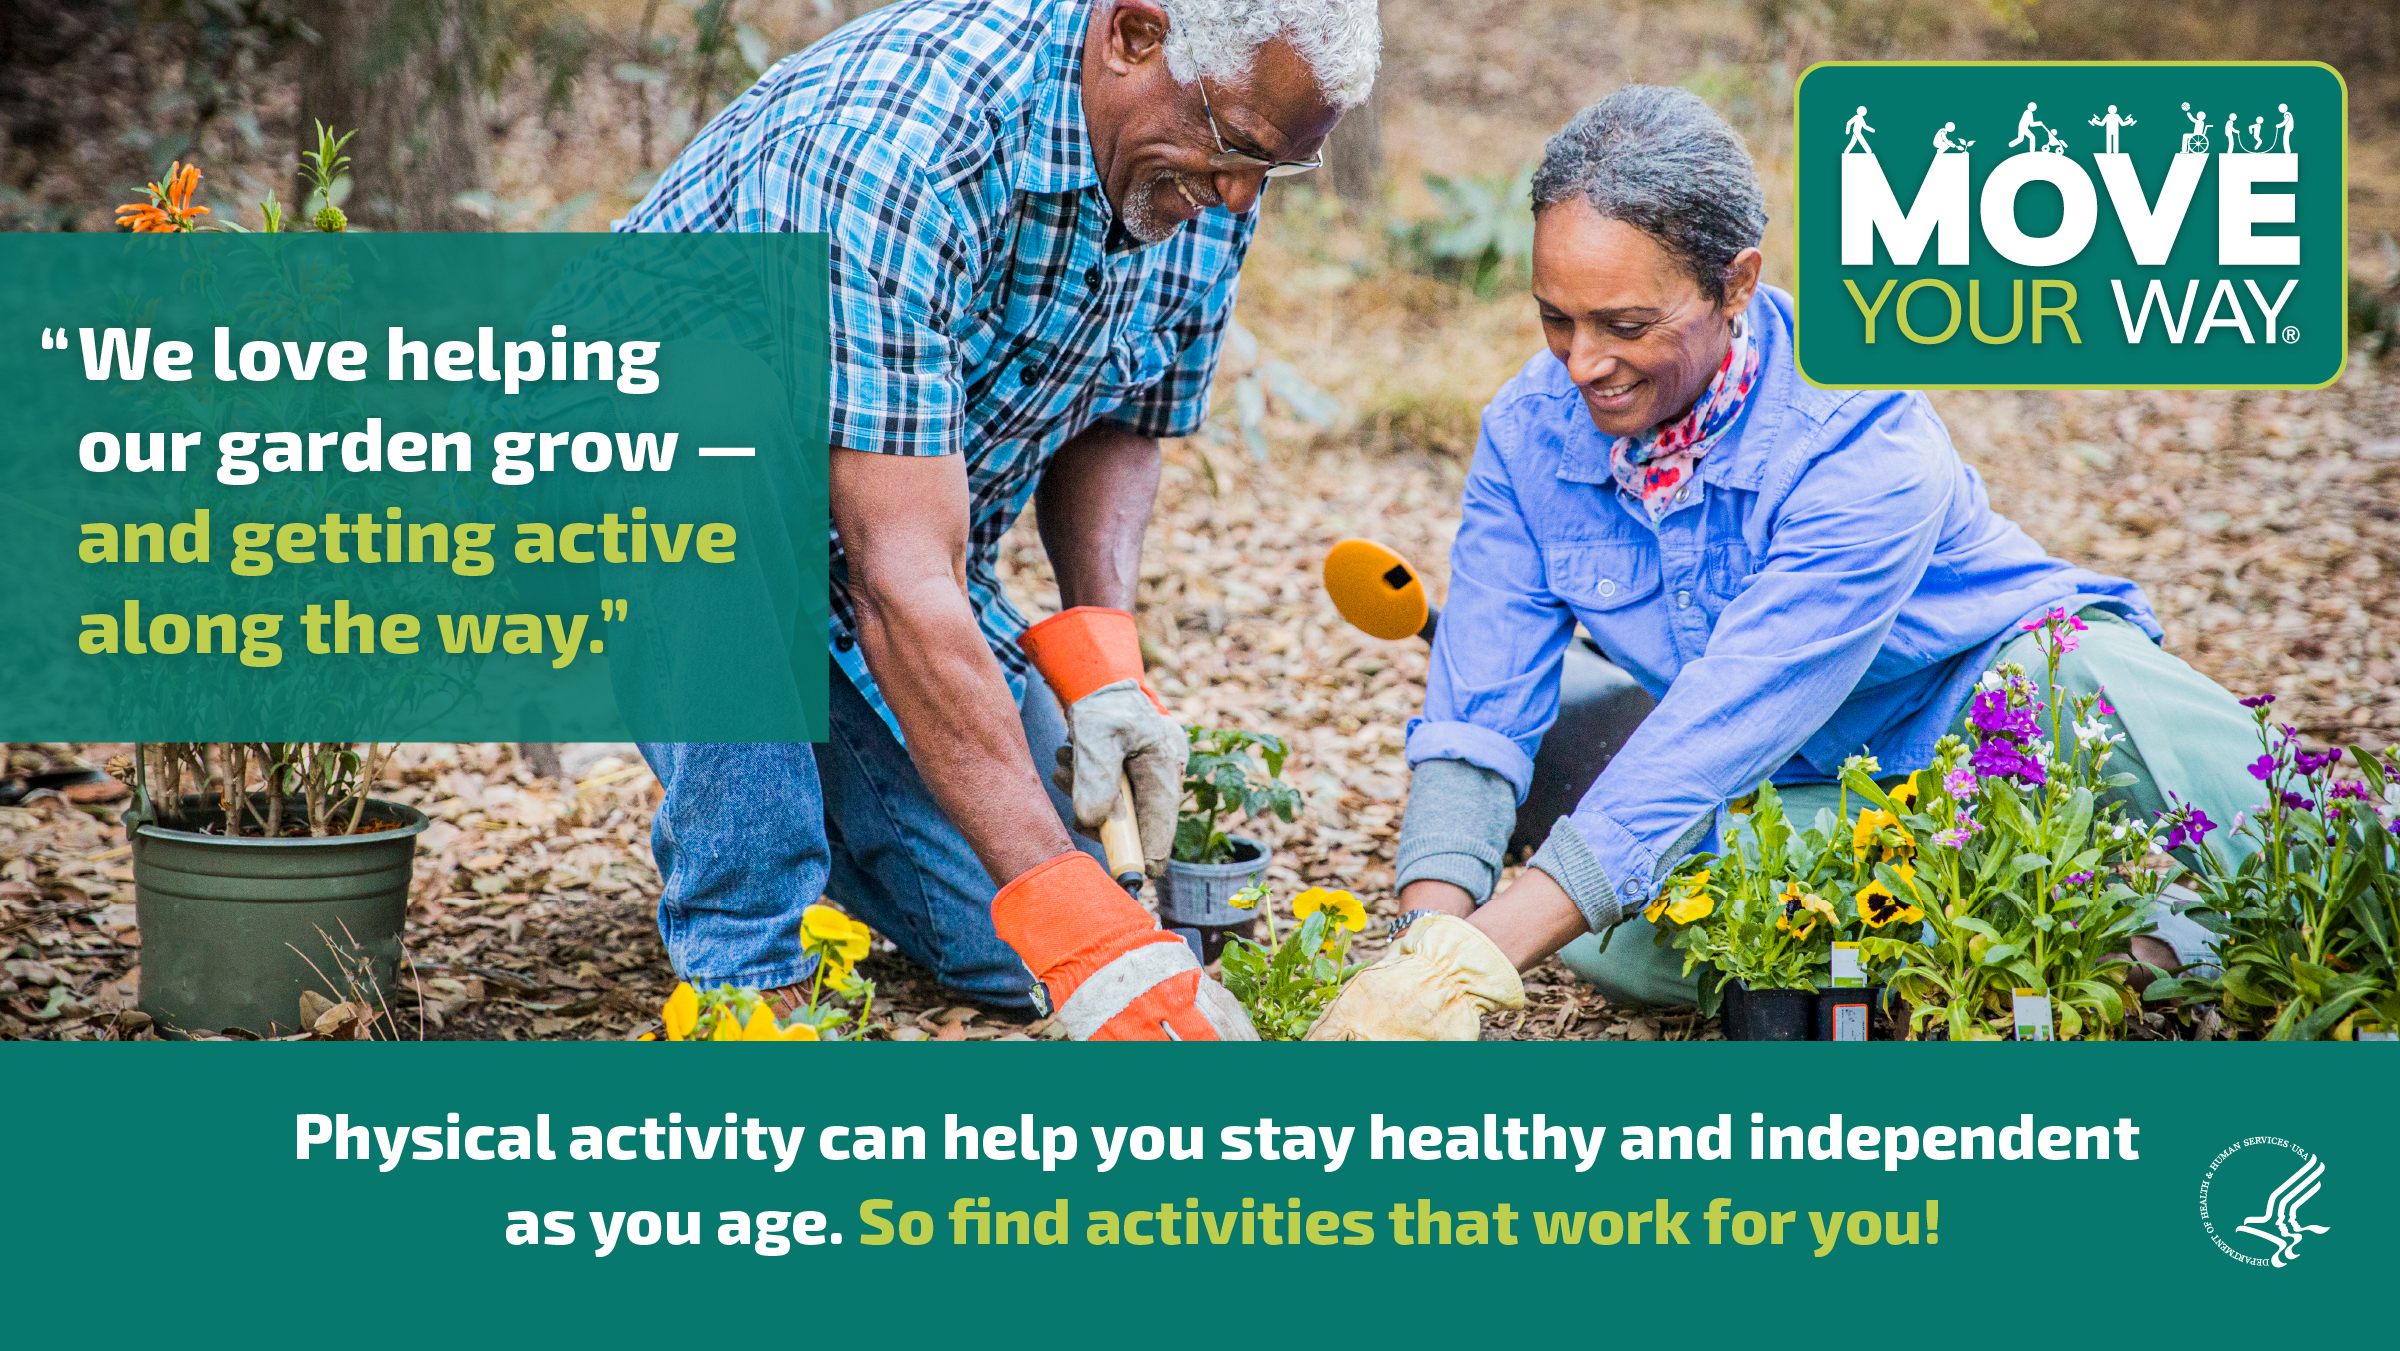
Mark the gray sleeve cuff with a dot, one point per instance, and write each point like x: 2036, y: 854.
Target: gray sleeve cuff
x: 1569, y: 862
x: 1457, y: 827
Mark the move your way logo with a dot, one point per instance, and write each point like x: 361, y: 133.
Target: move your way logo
x: 2035, y: 225
x: 2231, y: 1184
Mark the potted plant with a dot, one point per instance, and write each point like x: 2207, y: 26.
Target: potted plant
x: 263, y: 869
x: 1230, y: 773
x: 2032, y: 879
x: 1753, y: 931
x: 2308, y: 924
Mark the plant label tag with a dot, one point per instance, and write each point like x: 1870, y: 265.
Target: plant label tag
x: 1850, y: 1022
x: 2375, y: 1032
x: 1849, y: 972
x: 2033, y: 1015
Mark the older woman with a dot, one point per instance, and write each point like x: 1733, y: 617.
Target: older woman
x: 1795, y: 573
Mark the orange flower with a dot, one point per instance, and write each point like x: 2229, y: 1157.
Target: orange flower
x: 170, y: 209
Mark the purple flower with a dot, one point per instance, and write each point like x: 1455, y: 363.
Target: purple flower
x: 2186, y: 823
x: 2100, y: 704
x: 2311, y: 762
x: 1961, y: 783
x: 1957, y: 836
x: 1991, y: 715
x: 2258, y: 701
x: 2003, y: 760
x: 2299, y: 803
x: 2079, y: 879
x: 2263, y: 768
x: 2348, y: 788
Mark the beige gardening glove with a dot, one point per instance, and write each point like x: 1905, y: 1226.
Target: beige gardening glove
x: 1435, y: 984
x: 1117, y: 730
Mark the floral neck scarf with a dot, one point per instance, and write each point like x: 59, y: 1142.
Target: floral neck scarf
x: 1659, y: 463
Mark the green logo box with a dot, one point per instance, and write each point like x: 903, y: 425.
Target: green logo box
x: 2071, y: 225
x: 414, y: 487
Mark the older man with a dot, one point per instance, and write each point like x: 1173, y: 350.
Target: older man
x: 1038, y: 211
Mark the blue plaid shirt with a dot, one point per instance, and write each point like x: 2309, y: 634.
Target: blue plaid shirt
x: 985, y: 301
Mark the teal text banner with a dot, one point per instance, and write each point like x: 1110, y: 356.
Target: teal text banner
x: 2071, y: 225
x: 414, y: 487
x: 1207, y: 1196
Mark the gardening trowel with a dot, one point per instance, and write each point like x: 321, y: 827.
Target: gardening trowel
x: 1121, y: 840
x: 1598, y: 704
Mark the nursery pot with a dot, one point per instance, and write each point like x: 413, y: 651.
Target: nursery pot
x: 1852, y: 1015
x: 1769, y: 1015
x: 1197, y: 896
x: 230, y: 925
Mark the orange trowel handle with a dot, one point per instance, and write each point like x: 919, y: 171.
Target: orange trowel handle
x: 1121, y: 839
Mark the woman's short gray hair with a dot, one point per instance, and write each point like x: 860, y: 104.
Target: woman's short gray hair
x: 1663, y: 162
x: 1340, y: 39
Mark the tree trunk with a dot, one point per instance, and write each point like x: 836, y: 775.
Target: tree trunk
x: 402, y: 73
x: 1354, y: 155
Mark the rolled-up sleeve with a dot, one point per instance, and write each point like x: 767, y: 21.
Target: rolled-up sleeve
x: 1491, y: 690
x: 1848, y: 546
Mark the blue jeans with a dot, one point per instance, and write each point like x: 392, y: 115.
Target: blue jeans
x: 753, y: 833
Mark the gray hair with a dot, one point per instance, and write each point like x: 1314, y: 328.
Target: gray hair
x: 1663, y: 162
x: 1340, y: 39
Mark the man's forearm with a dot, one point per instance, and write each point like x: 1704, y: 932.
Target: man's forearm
x: 1092, y: 508
x: 927, y: 653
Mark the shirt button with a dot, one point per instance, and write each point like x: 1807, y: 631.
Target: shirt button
x: 1091, y: 277
x: 1607, y: 587
x: 844, y: 643
x: 1683, y: 494
x: 1683, y: 600
x: 1026, y: 375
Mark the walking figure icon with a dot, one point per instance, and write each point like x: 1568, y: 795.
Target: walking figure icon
x: 1858, y: 129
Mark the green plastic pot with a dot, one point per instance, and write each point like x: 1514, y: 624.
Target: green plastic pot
x: 231, y: 925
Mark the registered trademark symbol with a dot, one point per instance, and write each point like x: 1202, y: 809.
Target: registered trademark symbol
x: 2291, y: 334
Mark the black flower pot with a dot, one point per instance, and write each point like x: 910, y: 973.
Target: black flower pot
x: 1769, y: 1015
x: 1852, y: 1015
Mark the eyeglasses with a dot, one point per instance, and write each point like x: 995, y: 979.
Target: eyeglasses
x: 1229, y: 158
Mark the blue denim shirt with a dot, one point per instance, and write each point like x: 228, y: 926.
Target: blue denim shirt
x: 1835, y: 583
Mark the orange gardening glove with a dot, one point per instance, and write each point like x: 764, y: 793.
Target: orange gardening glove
x: 1118, y: 731
x: 1109, y: 972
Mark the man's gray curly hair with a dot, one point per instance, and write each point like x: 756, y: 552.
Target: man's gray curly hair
x: 1340, y: 39
x: 1663, y: 162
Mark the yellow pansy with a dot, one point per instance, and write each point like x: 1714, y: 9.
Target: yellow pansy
x: 1906, y: 793
x: 1694, y: 906
x: 800, y: 1032
x: 1691, y: 904
x: 840, y: 940
x: 1878, y: 907
x: 728, y: 1028
x: 1869, y: 822
x: 1341, y: 908
x: 682, y: 1012
x: 1247, y: 898
x: 761, y: 1026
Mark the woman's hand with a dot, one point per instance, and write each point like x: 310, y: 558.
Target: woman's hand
x: 1427, y: 894
x: 1531, y: 918
x: 1445, y: 973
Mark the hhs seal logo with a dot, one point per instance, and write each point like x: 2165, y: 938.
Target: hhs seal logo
x: 2274, y: 1182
